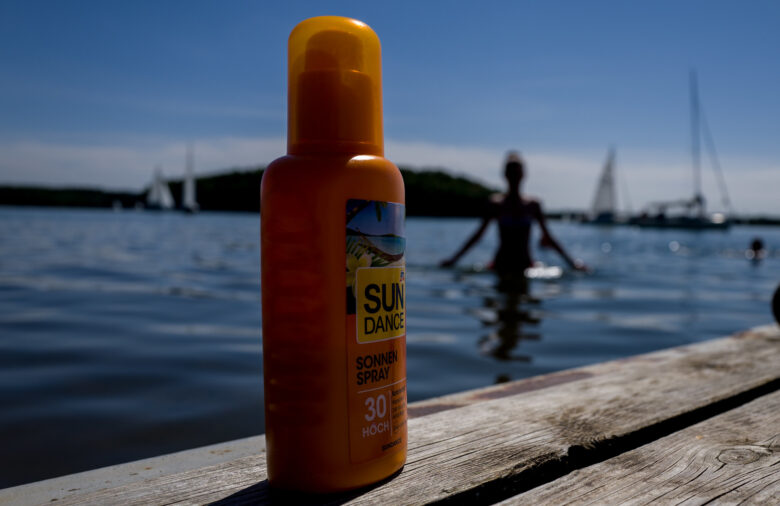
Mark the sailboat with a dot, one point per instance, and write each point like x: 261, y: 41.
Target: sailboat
x: 159, y: 197
x: 604, y: 208
x: 694, y: 214
x: 188, y: 202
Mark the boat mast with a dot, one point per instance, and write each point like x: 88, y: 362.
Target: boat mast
x: 189, y: 201
x: 698, y: 198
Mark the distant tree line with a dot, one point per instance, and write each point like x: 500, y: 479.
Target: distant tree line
x: 428, y: 193
x: 238, y: 190
x: 63, y: 197
x: 436, y: 193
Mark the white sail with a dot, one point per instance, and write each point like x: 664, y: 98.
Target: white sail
x: 159, y: 194
x: 189, y: 202
x: 605, y: 200
x: 153, y: 197
x: 166, y: 199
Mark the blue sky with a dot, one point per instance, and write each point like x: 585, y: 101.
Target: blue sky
x: 98, y: 93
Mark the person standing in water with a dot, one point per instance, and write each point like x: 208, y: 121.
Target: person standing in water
x: 515, y: 215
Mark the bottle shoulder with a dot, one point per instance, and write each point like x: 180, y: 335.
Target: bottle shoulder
x: 312, y: 166
x: 363, y: 176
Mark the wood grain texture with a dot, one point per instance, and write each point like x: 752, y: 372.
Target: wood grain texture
x: 733, y: 458
x: 79, y: 484
x: 494, y: 445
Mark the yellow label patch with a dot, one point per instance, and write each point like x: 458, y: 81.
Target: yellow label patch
x: 381, y: 300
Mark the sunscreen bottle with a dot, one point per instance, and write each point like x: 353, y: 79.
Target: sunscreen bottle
x: 333, y: 272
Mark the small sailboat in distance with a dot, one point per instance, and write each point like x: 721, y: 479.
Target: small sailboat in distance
x: 189, y: 203
x: 604, y: 208
x: 693, y: 214
x: 159, y: 197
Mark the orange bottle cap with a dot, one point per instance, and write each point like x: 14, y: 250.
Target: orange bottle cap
x: 334, y: 88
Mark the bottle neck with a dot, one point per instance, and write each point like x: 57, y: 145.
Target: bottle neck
x: 334, y: 112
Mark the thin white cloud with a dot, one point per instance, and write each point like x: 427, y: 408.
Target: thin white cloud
x: 564, y: 180
x: 126, y: 166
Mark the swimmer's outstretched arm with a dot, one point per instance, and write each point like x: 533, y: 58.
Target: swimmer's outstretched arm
x: 471, y: 242
x: 548, y: 241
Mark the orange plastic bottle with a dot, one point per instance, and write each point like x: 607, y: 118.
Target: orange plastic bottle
x: 333, y: 272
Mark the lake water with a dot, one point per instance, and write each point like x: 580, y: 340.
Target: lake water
x: 132, y: 334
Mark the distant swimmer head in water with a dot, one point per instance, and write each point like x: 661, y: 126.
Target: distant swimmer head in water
x: 756, y: 252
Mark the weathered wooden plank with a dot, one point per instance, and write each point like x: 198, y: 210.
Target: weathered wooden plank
x: 496, y: 442
x: 483, y: 451
x: 731, y: 458
x: 78, y: 484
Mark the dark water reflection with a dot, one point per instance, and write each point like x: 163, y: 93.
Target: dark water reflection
x: 127, y: 335
x: 511, y: 321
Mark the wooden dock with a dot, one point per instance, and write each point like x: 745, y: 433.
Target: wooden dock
x: 694, y: 424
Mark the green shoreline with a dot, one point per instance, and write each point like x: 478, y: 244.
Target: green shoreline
x: 429, y: 192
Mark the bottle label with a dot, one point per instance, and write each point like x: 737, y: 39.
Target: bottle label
x: 376, y: 328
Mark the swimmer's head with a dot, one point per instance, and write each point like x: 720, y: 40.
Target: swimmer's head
x: 514, y: 169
